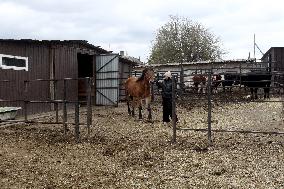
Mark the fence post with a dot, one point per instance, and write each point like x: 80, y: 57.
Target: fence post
x: 77, y: 127
x: 89, y: 104
x: 240, y: 75
x: 209, y: 108
x: 158, y: 79
x: 282, y: 99
x: 174, y: 117
x: 55, y: 97
x: 64, y: 107
x: 181, y: 78
x: 152, y: 92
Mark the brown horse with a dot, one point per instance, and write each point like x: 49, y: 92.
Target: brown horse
x: 138, y: 89
x: 199, y: 80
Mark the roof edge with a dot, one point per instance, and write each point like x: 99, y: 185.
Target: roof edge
x: 63, y: 42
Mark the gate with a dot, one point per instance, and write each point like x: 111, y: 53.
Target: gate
x: 238, y: 96
x: 107, y: 79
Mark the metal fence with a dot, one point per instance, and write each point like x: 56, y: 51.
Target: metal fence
x: 60, y: 105
x: 182, y: 89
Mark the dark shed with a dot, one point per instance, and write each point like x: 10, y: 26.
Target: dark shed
x: 276, y: 56
x: 27, y: 59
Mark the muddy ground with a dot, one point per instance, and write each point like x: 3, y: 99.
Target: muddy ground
x: 123, y: 152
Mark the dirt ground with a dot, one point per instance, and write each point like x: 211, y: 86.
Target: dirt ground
x: 123, y: 152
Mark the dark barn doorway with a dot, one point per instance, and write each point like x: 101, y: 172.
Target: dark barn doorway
x: 85, y: 69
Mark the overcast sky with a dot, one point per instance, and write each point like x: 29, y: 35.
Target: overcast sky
x: 131, y: 25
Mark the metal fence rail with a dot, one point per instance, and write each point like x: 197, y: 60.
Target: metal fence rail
x: 210, y: 97
x: 88, y: 101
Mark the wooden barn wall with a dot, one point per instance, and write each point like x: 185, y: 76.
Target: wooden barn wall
x: 38, y: 58
x: 66, y: 67
x: 279, y: 58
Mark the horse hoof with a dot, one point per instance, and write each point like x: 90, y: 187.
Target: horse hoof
x: 150, y: 121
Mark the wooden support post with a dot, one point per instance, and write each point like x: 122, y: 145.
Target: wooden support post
x: 64, y: 107
x: 174, y: 116
x: 209, y: 108
x: 77, y: 127
x: 152, y: 92
x: 240, y: 78
x: 26, y: 100
x: 158, y: 78
x: 89, y: 104
x: 181, y: 78
x: 55, y: 97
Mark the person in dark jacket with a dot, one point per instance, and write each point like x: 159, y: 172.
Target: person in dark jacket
x: 166, y: 86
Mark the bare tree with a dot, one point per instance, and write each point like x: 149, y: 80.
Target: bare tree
x: 182, y: 40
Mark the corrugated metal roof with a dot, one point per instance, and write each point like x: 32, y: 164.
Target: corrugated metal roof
x: 131, y: 60
x: 84, y: 43
x: 60, y: 42
x: 237, y: 61
x: 269, y: 50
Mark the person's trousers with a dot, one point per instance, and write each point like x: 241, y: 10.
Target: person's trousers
x: 167, y: 109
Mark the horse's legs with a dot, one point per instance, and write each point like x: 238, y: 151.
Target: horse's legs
x: 231, y: 88
x: 204, y: 87
x: 201, y: 89
x: 130, y: 102
x: 148, y: 102
x: 196, y: 87
x: 129, y: 112
x: 140, y: 110
x: 128, y: 105
x: 251, y: 92
x: 132, y: 112
x: 266, y: 92
x: 133, y: 106
x: 255, y: 93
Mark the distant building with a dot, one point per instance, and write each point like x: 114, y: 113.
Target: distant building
x: 218, y: 67
x: 276, y: 56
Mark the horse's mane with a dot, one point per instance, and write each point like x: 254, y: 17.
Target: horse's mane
x: 141, y: 78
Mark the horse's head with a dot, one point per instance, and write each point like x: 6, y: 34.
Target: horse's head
x: 148, y: 74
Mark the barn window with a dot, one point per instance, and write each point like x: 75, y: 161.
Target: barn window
x: 13, y: 62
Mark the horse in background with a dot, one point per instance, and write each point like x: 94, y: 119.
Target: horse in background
x: 138, y: 89
x: 199, y: 83
x: 216, y: 82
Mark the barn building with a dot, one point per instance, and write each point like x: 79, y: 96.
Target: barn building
x: 29, y: 60
x: 276, y: 56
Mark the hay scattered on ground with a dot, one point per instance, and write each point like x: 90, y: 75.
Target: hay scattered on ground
x: 123, y: 152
